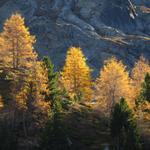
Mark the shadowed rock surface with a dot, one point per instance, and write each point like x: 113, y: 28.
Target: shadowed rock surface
x: 102, y: 28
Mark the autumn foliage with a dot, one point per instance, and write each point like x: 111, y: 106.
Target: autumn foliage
x: 33, y: 96
x: 18, y: 43
x: 20, y: 67
x: 113, y: 83
x: 140, y: 69
x: 76, y: 75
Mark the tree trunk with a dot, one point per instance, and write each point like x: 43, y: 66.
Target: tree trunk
x: 24, y: 125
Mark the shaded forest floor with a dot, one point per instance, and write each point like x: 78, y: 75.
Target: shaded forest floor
x: 86, y: 129
x: 144, y: 128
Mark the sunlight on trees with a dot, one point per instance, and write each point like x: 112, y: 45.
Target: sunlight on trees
x: 76, y: 75
x: 26, y: 73
x: 34, y: 98
x: 138, y: 73
x: 113, y: 83
x: 19, y: 42
x: 1, y: 102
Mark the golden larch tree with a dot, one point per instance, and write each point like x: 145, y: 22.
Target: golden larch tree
x: 17, y: 44
x: 1, y: 102
x: 27, y: 75
x: 17, y: 49
x: 34, y: 87
x: 76, y: 75
x: 20, y: 43
x: 4, y: 58
x: 140, y: 69
x: 113, y: 83
x: 31, y: 97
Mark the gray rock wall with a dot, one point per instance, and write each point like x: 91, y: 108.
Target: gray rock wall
x: 102, y: 28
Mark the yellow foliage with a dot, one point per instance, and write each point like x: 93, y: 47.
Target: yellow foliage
x: 20, y: 59
x: 4, y: 58
x: 138, y: 73
x: 37, y: 80
x: 113, y: 83
x: 39, y: 76
x: 145, y: 106
x: 21, y: 98
x: 76, y: 76
x: 1, y: 103
x: 18, y: 42
x: 143, y: 116
x: 19, y: 63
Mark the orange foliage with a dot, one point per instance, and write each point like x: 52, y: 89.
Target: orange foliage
x: 138, y: 73
x: 19, y: 43
x: 76, y: 76
x: 113, y: 83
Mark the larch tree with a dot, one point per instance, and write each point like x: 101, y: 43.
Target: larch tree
x: 4, y: 58
x: 20, y: 56
x: 30, y: 99
x: 76, y: 75
x: 35, y: 85
x: 20, y: 43
x: 138, y: 73
x: 17, y: 46
x: 28, y: 77
x: 113, y: 83
x: 1, y: 102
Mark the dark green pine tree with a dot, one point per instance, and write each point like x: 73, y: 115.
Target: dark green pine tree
x: 54, y: 136
x: 145, y: 91
x: 123, y: 128
x: 56, y: 96
x: 54, y: 92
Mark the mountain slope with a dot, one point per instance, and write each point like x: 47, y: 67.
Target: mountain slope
x: 102, y: 28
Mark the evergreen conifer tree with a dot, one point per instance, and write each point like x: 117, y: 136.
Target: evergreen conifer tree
x: 123, y: 128
x: 52, y: 78
x: 55, y: 134
x: 145, y: 91
x: 54, y: 93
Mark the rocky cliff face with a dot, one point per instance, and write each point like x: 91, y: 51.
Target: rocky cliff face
x: 101, y: 27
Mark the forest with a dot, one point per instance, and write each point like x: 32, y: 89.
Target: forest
x: 45, y: 109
